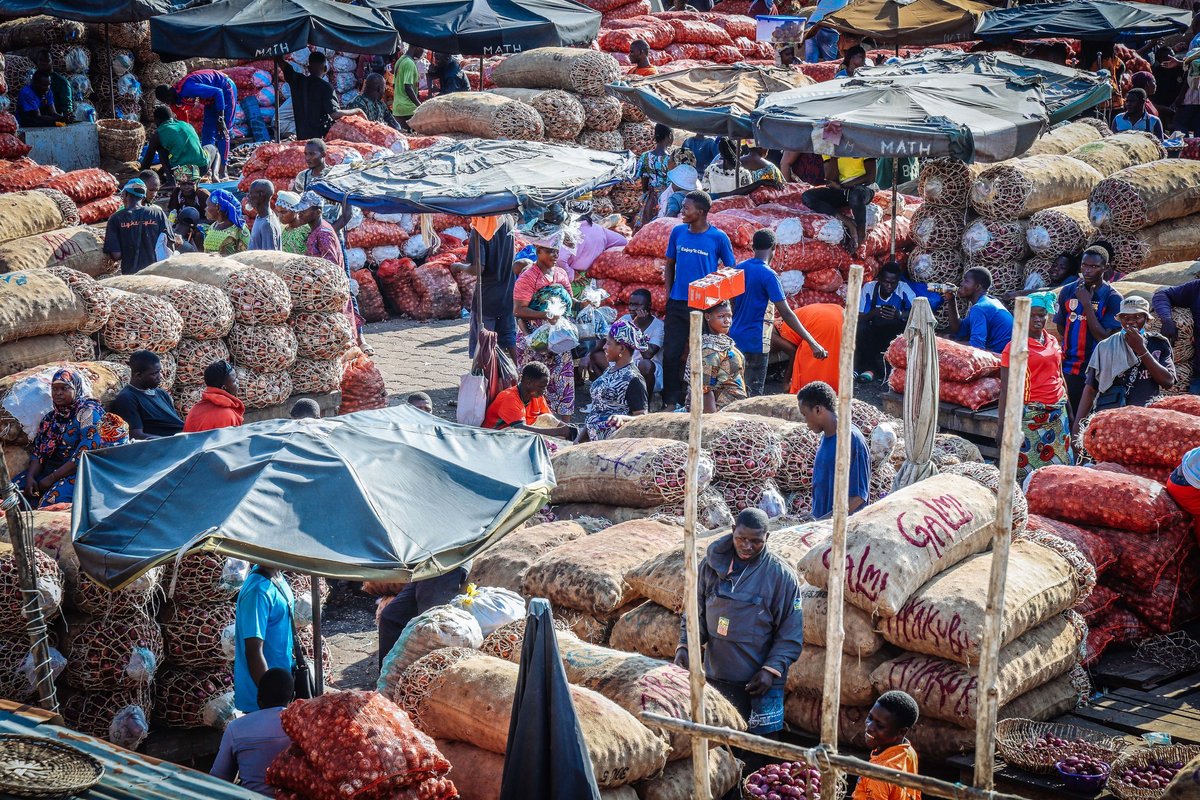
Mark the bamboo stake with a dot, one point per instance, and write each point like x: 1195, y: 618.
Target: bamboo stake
x: 819, y: 756
x: 700, y: 787
x: 895, y: 203
x: 989, y: 657
x: 836, y: 586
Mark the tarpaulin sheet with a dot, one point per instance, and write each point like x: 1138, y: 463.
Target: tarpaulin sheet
x: 970, y: 117
x: 475, y: 177
x: 1088, y: 20
x: 113, y: 11
x: 254, y: 29
x: 899, y: 22
x: 713, y: 100
x: 490, y: 27
x: 393, y: 494
x: 1069, y: 92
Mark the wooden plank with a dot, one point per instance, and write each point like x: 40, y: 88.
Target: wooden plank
x: 1132, y: 718
x: 1123, y: 669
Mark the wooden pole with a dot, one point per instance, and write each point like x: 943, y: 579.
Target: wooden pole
x: 895, y: 204
x: 819, y: 755
x: 318, y: 651
x: 700, y: 788
x: 1010, y: 444
x: 112, y: 81
x: 836, y: 587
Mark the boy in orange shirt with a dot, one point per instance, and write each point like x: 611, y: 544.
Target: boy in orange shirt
x: 518, y: 407
x: 888, y: 723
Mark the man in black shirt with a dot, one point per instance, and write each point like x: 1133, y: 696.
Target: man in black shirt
x: 490, y: 257
x: 315, y: 105
x: 142, y: 404
x: 133, y: 233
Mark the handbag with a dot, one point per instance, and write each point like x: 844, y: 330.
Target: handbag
x: 302, y: 673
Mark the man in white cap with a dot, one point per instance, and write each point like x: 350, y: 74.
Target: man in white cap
x: 134, y: 233
x: 684, y: 179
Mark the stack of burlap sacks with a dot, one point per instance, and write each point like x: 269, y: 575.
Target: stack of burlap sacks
x: 40, y: 228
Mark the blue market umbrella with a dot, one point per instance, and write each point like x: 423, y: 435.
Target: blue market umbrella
x: 1087, y: 20
x: 95, y: 11
x: 546, y: 755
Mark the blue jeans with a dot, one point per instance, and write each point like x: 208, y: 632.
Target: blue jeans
x: 416, y: 598
x: 208, y: 132
x: 756, y: 373
x: 254, y: 119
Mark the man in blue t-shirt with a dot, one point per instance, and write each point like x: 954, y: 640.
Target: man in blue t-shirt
x: 35, y: 103
x: 751, y: 330
x: 262, y: 633
x: 882, y: 315
x: 1087, y: 313
x: 694, y: 250
x: 988, y: 324
x: 818, y: 404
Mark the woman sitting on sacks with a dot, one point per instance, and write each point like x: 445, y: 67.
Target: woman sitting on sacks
x: 619, y: 392
x: 227, y: 234
x: 295, y: 232
x: 74, y: 424
x: 1044, y: 421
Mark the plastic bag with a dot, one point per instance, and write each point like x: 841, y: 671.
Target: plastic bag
x: 472, y: 399
x: 492, y: 606
x: 57, y: 664
x: 563, y: 337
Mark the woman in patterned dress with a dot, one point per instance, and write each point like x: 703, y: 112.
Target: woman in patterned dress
x: 620, y: 391
x: 541, y: 294
x: 724, y: 366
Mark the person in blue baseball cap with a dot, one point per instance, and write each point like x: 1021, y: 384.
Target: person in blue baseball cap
x: 137, y: 234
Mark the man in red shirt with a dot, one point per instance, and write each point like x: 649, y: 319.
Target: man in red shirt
x: 518, y: 407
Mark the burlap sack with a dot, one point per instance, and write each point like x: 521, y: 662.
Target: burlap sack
x: 1172, y: 274
x: 1024, y: 186
x: 1183, y: 785
x: 712, y: 512
x: 950, y: 691
x: 897, y: 544
x: 205, y: 268
x: 744, y: 448
x: 588, y: 574
x: 803, y: 712
x: 440, y: 626
x: 34, y: 351
x: 51, y: 533
x: 640, y: 473
x: 477, y: 773
x: 314, y: 283
x: 465, y: 695
x: 487, y: 116
x: 16, y: 459
x: 1065, y: 139
x: 36, y: 302
x: 861, y: 637
x: 807, y: 675
x: 945, y: 616
x: 594, y: 628
x: 504, y: 563
x: 27, y: 214
x: 648, y: 629
x: 675, y: 783
x: 571, y: 69
x: 80, y: 248
x: 1120, y: 151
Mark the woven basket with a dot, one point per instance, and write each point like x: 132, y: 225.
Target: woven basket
x: 1014, y: 737
x: 120, y: 139
x: 1143, y: 755
x: 34, y: 766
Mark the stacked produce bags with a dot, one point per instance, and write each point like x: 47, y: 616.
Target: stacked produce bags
x: 969, y: 375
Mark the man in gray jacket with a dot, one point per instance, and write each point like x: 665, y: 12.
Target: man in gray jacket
x: 750, y: 622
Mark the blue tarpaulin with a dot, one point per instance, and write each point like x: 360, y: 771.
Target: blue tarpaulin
x: 1088, y: 20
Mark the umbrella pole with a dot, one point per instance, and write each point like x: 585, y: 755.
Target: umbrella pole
x: 318, y: 655
x: 481, y: 73
x: 278, y: 99
x: 836, y: 585
x: 700, y: 785
x: 989, y: 656
x: 112, y: 82
x: 895, y: 203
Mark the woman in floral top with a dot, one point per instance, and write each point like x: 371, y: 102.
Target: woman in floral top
x: 227, y: 234
x: 621, y: 390
x: 652, y: 170
x: 724, y: 365
x: 540, y: 295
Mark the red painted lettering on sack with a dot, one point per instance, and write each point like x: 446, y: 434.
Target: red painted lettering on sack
x: 937, y: 529
x: 937, y: 681
x: 919, y: 620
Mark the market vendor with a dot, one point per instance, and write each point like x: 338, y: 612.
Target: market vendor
x: 723, y: 376
x: 35, y: 104
x: 407, y: 84
x: 266, y: 233
x: 824, y: 323
x: 219, y: 406
x: 1136, y: 117
x: 883, y: 313
x: 176, y: 144
x: 134, y: 235
x: 490, y: 258
x: 1185, y: 295
x: 750, y: 622
x: 639, y: 58
x: 849, y: 182
x: 518, y: 407
x: 1086, y: 315
x: 263, y: 627
x: 370, y: 101
x: 314, y: 102
x: 541, y: 296
x: 448, y: 73
x: 144, y: 404
x: 218, y: 94
x: 60, y: 87
x: 988, y: 324
x: 227, y: 232
x: 621, y: 390
x: 187, y: 192
x: 295, y: 232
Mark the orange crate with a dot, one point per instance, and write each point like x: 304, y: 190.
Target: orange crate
x: 724, y: 284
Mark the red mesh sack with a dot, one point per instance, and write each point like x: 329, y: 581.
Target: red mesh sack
x: 366, y: 149
x: 736, y: 25
x: 360, y: 129
x: 741, y: 7
x: 99, y: 210
x: 615, y: 289
x: 1155, y: 437
x: 84, y: 185
x: 16, y: 164
x: 1156, y: 474
x: 12, y: 147
x: 607, y: 6
x: 627, y: 11
x: 808, y: 297
x: 650, y: 240
x: 971, y: 394
x: 249, y: 178
x: 395, y: 282
x: 1172, y: 602
x: 1117, y: 625
x: 450, y: 242
x: 363, y: 744
x: 738, y: 202
x: 825, y: 280
x: 264, y: 154
x: 810, y: 256
x: 363, y: 388
x: 192, y: 634
x: 20, y: 180
x: 658, y: 295
x: 956, y: 361
x: 437, y: 293
x: 689, y: 31
x: 821, y: 71
x: 1142, y: 559
x: 370, y: 301
x: 789, y: 192
x: 421, y: 142
x: 443, y: 221
x: 617, y: 265
x: 295, y: 777
x: 1098, y: 602
x: 1183, y: 403
x: 1131, y: 503
x: 373, y: 233
x: 8, y: 123
x: 1095, y: 547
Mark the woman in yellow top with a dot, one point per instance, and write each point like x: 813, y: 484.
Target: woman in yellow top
x: 724, y: 367
x: 227, y: 234
x: 888, y: 724
x: 849, y: 182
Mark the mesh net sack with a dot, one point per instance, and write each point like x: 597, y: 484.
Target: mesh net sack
x: 121, y: 717
x: 937, y: 227
x: 370, y: 300
x: 745, y: 451
x: 601, y: 114
x: 193, y: 633
x: 936, y: 266
x: 99, y: 210
x: 114, y: 653
x: 83, y: 347
x: 258, y: 297
x: 315, y: 376
x: 362, y: 387
x: 16, y: 667
x: 194, y: 698
x: 1054, y: 231
x: 562, y: 115
x: 763, y: 495
x: 638, y: 137
x: 192, y: 357
x: 206, y: 578
x: 989, y: 476
x: 263, y: 389
x: 1150, y: 437
x: 205, y: 310
x: 1024, y: 186
x: 945, y: 182
x: 140, y: 322
x: 440, y: 626
x: 66, y: 206
x: 19, y: 180
x: 1129, y: 249
x: 994, y: 241
x: 262, y: 348
x: 1094, y: 547
x: 49, y: 589
x: 315, y: 284
x: 94, y: 297
x: 1142, y: 195
x: 487, y: 116
x: 84, y: 185
x: 651, y: 473
x: 1136, y: 504
x: 956, y: 361
x: 135, y: 599
x: 322, y: 335
x: 601, y: 140
x: 584, y: 72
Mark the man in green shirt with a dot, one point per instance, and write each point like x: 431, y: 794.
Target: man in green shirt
x: 60, y: 87
x: 370, y: 101
x: 405, y: 97
x: 176, y: 143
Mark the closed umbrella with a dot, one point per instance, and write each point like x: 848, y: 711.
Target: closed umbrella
x: 921, y: 389
x: 908, y: 22
x: 1087, y: 20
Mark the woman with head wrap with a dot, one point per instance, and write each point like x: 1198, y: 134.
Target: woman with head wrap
x: 227, y: 234
x: 541, y: 295
x: 1044, y: 420
x: 295, y: 232
x: 187, y: 192
x: 621, y: 390
x: 75, y: 423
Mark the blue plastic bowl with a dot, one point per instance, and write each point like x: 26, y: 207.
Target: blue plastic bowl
x: 1083, y: 784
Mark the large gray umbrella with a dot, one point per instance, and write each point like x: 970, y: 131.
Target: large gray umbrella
x: 921, y: 388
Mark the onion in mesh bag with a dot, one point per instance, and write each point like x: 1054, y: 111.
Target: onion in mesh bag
x: 141, y: 322
x: 314, y: 376
x: 49, y: 582
x: 323, y: 335
x: 97, y: 303
x: 263, y: 348
x: 262, y: 389
x: 205, y: 577
x: 114, y: 653
x: 440, y: 626
x: 121, y: 717
x: 258, y: 297
x: 17, y: 680
x: 195, y: 698
x: 193, y: 632
x: 136, y: 598
x: 192, y: 357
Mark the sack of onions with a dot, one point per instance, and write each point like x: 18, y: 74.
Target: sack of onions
x: 49, y: 583
x: 263, y: 348
x: 584, y: 72
x: 652, y: 472
x: 1143, y: 195
x: 192, y: 357
x: 258, y: 297
x: 315, y: 376
x: 315, y: 284
x: 205, y: 577
x: 205, y: 310
x: 1023, y: 186
x: 194, y: 698
x: 1063, y: 229
x: 561, y: 112
x: 991, y: 241
x: 262, y: 389
x: 1115, y: 153
x: 1065, y: 138
x: 193, y: 633
x: 121, y: 717
x: 133, y: 599
x: 141, y: 322
x: 938, y: 227
x: 114, y: 653
x: 323, y: 335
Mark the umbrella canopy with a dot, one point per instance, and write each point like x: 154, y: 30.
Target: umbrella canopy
x: 1069, y: 92
x: 969, y: 117
x: 921, y: 390
x: 713, y: 100
x: 256, y: 29
x: 491, y: 27
x: 89, y: 10
x: 897, y: 22
x: 1088, y: 20
x: 376, y: 495
x: 544, y: 722
x: 475, y: 177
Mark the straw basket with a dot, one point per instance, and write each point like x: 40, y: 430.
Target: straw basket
x: 33, y: 766
x: 1173, y: 753
x: 120, y: 139
x: 1016, y: 739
